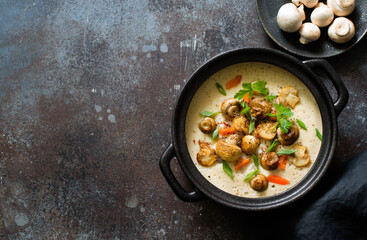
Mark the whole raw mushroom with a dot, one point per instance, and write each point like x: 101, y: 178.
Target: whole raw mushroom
x: 322, y: 15
x: 342, y: 8
x: 341, y: 30
x: 309, y: 33
x: 290, y: 17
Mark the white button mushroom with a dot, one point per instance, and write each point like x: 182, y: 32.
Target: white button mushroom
x: 341, y: 8
x: 290, y: 17
x: 341, y: 30
x: 322, y: 15
x: 309, y: 32
x: 307, y: 3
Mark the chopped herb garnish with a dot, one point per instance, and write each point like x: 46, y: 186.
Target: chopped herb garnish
x: 250, y: 88
x: 286, y: 152
x: 208, y: 113
x: 270, y: 98
x: 301, y: 124
x: 252, y: 126
x: 245, y: 110
x: 215, y: 133
x: 256, y: 161
x: 319, y: 135
x: 221, y: 89
x: 251, y: 174
x: 272, y: 145
x: 227, y: 169
x: 282, y: 114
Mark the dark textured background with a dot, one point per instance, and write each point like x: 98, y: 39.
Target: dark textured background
x: 86, y: 97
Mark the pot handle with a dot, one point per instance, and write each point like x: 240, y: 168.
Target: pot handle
x: 164, y: 164
x: 342, y: 91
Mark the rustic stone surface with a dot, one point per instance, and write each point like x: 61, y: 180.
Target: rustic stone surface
x: 86, y: 97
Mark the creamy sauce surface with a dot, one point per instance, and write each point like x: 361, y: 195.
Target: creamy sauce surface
x: 208, y: 98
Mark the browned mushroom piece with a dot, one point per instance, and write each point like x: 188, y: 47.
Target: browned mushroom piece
x: 269, y: 161
x: 260, y: 108
x: 234, y: 139
x: 207, y: 125
x: 289, y: 97
x: 249, y: 144
x: 241, y: 124
x: 301, y: 157
x: 259, y: 183
x: 290, y: 137
x: 228, y: 152
x: 206, y: 155
x: 266, y: 130
x: 230, y: 108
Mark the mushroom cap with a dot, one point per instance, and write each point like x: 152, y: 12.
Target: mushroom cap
x: 309, y: 32
x: 241, y: 124
x: 342, y: 8
x: 206, y: 155
x: 207, y: 125
x: 289, y: 18
x: 290, y: 137
x: 230, y: 108
x: 288, y: 96
x: 266, y: 130
x: 322, y: 15
x: 259, y: 183
x: 228, y: 152
x: 301, y: 157
x: 269, y: 161
x: 249, y: 144
x: 341, y: 30
x: 310, y: 3
x: 259, y: 108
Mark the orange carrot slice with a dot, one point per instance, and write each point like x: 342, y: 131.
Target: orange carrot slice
x: 277, y: 180
x: 246, y: 99
x: 226, y: 131
x: 283, y: 162
x: 233, y: 82
x: 241, y: 163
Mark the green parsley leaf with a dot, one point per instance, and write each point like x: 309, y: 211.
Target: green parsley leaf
x: 247, y: 88
x: 208, y: 113
x: 284, y: 124
x: 271, y: 98
x: 319, y: 135
x: 283, y: 111
x: 301, y: 124
x: 259, y: 86
x: 251, y: 174
x: 252, y: 126
x: 256, y: 161
x: 286, y: 152
x: 221, y: 89
x: 271, y: 114
x: 245, y: 110
x: 227, y: 169
x: 243, y: 103
x: 272, y: 145
x: 215, y: 133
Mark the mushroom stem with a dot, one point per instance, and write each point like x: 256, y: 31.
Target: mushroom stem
x: 342, y: 29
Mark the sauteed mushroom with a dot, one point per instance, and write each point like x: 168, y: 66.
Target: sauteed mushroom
x: 228, y: 152
x: 259, y: 183
x: 206, y: 156
x: 301, y: 157
x: 269, y: 161
x: 290, y: 137
x: 259, y: 108
x: 230, y: 108
x: 234, y: 139
x: 266, y: 130
x: 249, y: 144
x: 241, y: 124
x: 288, y: 97
x: 207, y: 125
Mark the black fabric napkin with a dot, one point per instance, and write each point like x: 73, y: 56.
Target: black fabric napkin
x: 341, y: 213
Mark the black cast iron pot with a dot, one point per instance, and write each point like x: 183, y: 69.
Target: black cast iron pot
x: 304, y: 71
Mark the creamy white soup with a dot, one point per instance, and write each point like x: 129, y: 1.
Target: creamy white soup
x: 208, y: 98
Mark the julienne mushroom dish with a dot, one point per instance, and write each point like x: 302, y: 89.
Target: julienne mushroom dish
x: 253, y: 130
